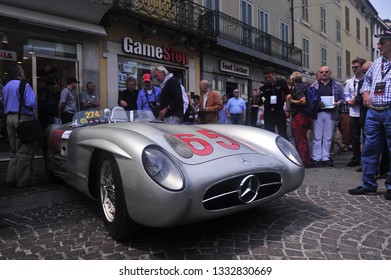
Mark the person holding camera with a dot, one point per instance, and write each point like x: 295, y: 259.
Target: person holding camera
x: 149, y: 97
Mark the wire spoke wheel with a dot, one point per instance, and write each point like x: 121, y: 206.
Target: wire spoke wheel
x: 107, y: 191
x: 111, y: 199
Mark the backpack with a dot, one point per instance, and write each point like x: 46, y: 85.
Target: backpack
x: 312, y: 101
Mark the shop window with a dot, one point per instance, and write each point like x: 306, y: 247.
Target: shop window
x: 128, y: 67
x: 243, y: 88
x: 47, y: 48
x: 217, y: 85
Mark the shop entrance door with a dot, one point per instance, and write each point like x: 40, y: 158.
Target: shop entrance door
x: 229, y: 88
x: 49, y: 78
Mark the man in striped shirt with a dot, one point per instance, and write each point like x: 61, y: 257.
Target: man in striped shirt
x: 376, y: 91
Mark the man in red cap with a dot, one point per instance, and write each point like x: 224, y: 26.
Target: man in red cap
x: 149, y: 97
x: 376, y: 91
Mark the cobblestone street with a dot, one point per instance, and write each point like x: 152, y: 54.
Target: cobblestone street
x: 318, y: 221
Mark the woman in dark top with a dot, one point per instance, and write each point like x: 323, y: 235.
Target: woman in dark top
x: 127, y: 98
x: 255, y: 104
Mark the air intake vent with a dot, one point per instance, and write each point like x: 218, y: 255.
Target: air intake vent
x: 241, y: 190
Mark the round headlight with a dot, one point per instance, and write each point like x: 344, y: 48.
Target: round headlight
x: 162, y: 169
x: 288, y: 150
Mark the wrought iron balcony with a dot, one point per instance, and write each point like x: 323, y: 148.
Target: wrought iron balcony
x: 189, y: 17
x: 183, y: 15
x: 237, y: 31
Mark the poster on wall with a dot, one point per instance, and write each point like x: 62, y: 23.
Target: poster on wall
x: 126, y: 69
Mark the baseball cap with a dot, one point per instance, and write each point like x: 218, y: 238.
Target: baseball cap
x: 72, y: 80
x: 385, y: 35
x: 147, y: 78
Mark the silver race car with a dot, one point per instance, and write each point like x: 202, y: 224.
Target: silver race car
x: 145, y: 172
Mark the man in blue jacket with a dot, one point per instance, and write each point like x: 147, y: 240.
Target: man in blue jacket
x: 149, y: 97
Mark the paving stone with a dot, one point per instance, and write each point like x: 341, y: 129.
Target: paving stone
x: 318, y: 221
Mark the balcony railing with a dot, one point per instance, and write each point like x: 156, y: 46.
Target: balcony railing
x: 183, y: 15
x: 189, y: 17
x: 234, y: 30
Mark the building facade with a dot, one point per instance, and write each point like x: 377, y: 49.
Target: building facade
x: 333, y: 33
x: 51, y: 43
x: 229, y: 42
x: 250, y: 36
x: 378, y: 27
x: 357, y: 36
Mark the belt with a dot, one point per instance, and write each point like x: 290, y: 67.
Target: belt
x: 235, y: 114
x: 17, y: 113
x: 380, y: 108
x: 274, y: 109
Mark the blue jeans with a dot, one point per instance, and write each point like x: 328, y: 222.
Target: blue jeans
x: 377, y: 128
x: 236, y: 119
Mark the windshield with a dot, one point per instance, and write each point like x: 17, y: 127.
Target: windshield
x: 117, y: 114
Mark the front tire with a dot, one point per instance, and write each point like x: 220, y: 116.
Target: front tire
x: 112, y: 205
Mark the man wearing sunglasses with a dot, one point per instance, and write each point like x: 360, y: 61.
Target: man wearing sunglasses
x: 376, y: 91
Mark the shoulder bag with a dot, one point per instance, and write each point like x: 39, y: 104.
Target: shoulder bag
x: 27, y: 131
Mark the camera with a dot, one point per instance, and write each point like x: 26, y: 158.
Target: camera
x: 152, y: 104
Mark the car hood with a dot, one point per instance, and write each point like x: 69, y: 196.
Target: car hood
x: 207, y: 142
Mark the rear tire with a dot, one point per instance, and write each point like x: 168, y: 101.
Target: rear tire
x: 112, y: 205
x: 46, y: 159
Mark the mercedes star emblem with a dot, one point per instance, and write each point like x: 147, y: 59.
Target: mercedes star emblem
x: 248, y: 188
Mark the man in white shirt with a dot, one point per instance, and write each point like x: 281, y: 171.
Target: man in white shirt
x: 353, y: 97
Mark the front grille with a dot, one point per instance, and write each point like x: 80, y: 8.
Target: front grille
x: 226, y: 194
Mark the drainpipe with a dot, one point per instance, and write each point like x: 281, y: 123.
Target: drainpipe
x: 293, y: 27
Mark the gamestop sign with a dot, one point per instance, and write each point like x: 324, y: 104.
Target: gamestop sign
x: 163, y: 53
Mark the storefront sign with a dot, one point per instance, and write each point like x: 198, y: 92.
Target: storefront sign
x: 7, y: 55
x: 163, y: 53
x: 234, y: 68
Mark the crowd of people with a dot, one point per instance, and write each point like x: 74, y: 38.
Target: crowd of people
x: 360, y: 109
